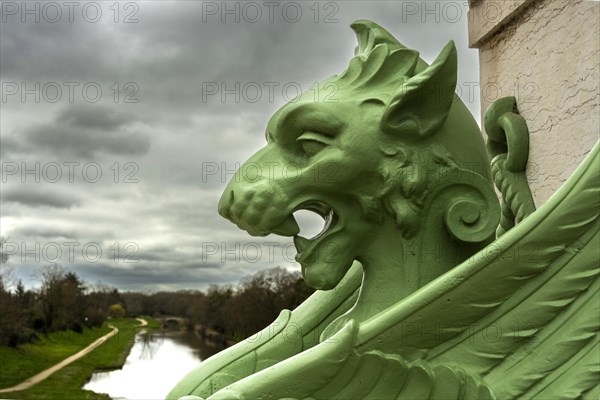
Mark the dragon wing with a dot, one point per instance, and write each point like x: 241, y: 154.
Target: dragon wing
x: 335, y: 370
x: 292, y: 333
x: 524, y: 313
x: 542, y: 340
x: 521, y: 318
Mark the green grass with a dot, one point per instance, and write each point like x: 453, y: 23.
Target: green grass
x: 18, y: 364
x: 66, y: 383
x: 152, y: 323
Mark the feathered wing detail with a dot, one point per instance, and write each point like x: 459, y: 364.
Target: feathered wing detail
x: 334, y: 370
x: 544, y: 339
x: 524, y: 313
x: 532, y: 336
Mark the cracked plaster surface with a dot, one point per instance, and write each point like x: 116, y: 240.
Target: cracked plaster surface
x: 548, y: 57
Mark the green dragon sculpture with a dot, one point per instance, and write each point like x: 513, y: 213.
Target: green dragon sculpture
x: 428, y: 288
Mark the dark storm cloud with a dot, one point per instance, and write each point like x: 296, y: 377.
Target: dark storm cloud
x: 169, y: 255
x: 85, y: 131
x: 152, y: 279
x: 46, y: 232
x: 171, y: 52
x: 158, y: 253
x: 49, y: 232
x: 175, y: 130
x: 92, y: 118
x: 71, y: 51
x: 9, y: 147
x: 39, y: 197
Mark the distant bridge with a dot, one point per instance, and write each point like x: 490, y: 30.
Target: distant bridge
x: 172, y: 322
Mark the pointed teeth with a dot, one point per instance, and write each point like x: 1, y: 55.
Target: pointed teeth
x: 300, y: 243
x: 289, y: 227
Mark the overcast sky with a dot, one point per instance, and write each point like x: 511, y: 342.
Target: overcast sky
x: 118, y: 138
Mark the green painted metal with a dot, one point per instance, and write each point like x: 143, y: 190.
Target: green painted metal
x: 419, y: 296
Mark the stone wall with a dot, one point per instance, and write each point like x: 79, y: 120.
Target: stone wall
x: 546, y: 53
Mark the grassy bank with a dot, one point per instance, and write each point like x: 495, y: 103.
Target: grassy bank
x: 27, y: 360
x: 66, y: 383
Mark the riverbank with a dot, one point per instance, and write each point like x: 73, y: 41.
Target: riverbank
x: 156, y: 363
x: 65, y: 384
x: 34, y: 380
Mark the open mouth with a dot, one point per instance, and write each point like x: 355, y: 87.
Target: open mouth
x: 328, y: 219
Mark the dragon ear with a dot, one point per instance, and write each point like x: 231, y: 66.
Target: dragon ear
x: 423, y: 102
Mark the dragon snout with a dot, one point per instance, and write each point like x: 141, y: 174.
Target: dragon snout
x: 225, y: 203
x: 244, y: 206
x: 256, y: 212
x: 238, y: 207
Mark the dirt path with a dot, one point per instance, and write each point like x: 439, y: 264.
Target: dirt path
x: 46, y: 373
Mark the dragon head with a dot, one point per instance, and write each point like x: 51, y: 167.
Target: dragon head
x: 368, y: 150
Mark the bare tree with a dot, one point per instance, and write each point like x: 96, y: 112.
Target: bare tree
x: 61, y: 298
x: 7, y: 276
x: 14, y: 307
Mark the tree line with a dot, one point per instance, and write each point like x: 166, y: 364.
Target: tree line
x: 236, y: 311
x: 64, y: 301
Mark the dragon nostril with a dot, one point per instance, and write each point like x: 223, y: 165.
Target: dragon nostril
x: 231, y: 198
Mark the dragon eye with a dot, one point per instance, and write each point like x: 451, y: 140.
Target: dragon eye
x: 313, y: 142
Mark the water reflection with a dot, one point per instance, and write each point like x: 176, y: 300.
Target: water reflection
x: 157, y: 361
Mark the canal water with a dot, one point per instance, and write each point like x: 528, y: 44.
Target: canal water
x: 157, y: 361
